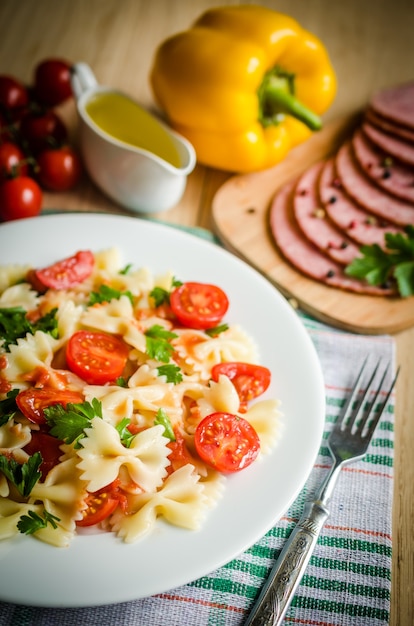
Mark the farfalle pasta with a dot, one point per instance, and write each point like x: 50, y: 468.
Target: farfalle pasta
x: 110, y: 411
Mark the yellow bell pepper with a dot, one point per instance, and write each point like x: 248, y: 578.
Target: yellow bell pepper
x: 244, y: 85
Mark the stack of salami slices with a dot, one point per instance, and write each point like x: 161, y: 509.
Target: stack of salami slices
x: 353, y: 198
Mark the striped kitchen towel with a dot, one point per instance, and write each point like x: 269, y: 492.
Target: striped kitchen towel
x: 348, y: 580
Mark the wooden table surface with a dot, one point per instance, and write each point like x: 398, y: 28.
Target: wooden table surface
x: 371, y: 45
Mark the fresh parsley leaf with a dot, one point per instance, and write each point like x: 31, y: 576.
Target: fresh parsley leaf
x: 176, y: 283
x: 213, y: 332
x: 163, y: 419
x: 68, y: 424
x: 125, y: 435
x: 157, y: 343
x: 24, y: 476
x: 121, y: 381
x: 395, y: 262
x: 32, y: 522
x: 172, y: 373
x: 8, y: 406
x: 126, y: 269
x: 106, y: 294
x: 160, y: 296
x: 15, y: 325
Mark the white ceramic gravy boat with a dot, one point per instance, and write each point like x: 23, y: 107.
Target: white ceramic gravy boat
x: 133, y: 176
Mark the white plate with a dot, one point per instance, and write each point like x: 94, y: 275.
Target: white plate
x: 100, y: 569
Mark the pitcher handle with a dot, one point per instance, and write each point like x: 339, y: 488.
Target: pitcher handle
x: 82, y: 79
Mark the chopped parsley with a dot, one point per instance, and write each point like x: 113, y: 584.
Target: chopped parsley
x: 15, y: 325
x: 213, y: 332
x: 124, y: 433
x: 396, y: 262
x: 24, y: 476
x: 161, y: 295
x: 68, y: 424
x: 163, y: 419
x: 32, y: 522
x: 8, y: 406
x: 157, y: 343
x: 106, y: 294
x: 172, y: 373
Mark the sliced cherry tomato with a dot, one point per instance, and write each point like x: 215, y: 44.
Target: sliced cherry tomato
x: 12, y: 161
x: 226, y: 442
x: 249, y: 380
x: 19, y: 198
x: 68, y: 272
x: 49, y: 448
x: 101, y: 504
x: 52, y: 83
x: 198, y: 305
x: 33, y: 401
x: 13, y: 94
x: 97, y: 358
x: 58, y: 169
x: 42, y: 130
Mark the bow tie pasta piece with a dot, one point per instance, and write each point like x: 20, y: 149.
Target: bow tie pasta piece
x: 103, y: 454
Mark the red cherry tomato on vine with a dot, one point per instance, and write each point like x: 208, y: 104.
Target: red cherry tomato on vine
x: 13, y: 94
x: 12, y: 161
x: 43, y: 130
x: 19, y: 198
x: 96, y: 357
x: 249, y: 380
x: 33, y: 401
x: 58, y: 169
x: 226, y: 442
x: 67, y: 272
x: 198, y: 305
x: 52, y: 84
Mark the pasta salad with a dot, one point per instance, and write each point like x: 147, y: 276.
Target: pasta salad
x: 124, y: 398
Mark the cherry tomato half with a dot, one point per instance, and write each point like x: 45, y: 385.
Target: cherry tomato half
x: 33, y: 401
x: 249, y: 380
x: 52, y: 84
x: 12, y: 161
x: 101, y: 504
x: 66, y: 273
x: 19, y: 198
x: 13, y: 94
x: 97, y: 358
x: 58, y: 169
x: 198, y: 305
x: 226, y: 442
x: 42, y: 130
x: 49, y: 448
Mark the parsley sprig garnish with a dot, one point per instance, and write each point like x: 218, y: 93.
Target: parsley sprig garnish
x: 8, y: 406
x: 24, y: 476
x: 106, y: 294
x: 158, y: 343
x: 15, y: 325
x: 124, y: 433
x: 68, y: 424
x: 163, y: 419
x: 396, y: 262
x: 172, y: 373
x: 32, y: 522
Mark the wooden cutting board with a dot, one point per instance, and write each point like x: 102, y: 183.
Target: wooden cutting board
x: 240, y: 210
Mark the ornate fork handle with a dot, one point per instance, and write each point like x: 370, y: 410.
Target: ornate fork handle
x: 276, y: 595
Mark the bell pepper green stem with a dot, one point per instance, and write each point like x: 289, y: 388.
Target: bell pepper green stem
x: 276, y: 98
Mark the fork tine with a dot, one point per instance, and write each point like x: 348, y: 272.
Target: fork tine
x: 350, y: 399
x: 361, y: 400
x: 374, y: 422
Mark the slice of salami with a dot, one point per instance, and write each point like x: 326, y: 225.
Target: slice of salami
x: 314, y: 222
x: 393, y: 145
x: 396, y: 103
x: 303, y: 255
x: 360, y: 225
x: 389, y: 126
x: 367, y: 194
x: 388, y: 173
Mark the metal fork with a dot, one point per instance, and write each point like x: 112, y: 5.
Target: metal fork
x: 348, y: 442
